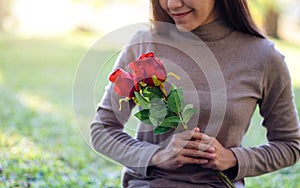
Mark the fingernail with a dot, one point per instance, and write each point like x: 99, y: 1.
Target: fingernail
x: 211, y: 149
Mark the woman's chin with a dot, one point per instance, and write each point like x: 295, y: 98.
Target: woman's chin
x: 183, y: 29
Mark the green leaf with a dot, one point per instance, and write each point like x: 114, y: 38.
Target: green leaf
x: 157, y: 111
x: 152, y: 93
x: 188, y: 112
x: 175, y: 100
x: 161, y: 130
x: 171, y: 114
x: 154, y: 121
x: 171, y: 122
x: 142, y: 101
x: 158, y: 108
x: 143, y: 116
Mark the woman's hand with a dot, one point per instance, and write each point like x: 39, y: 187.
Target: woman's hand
x: 193, y: 147
x: 223, y: 157
x: 183, y: 149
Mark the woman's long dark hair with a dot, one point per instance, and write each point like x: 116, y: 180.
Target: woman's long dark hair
x: 235, y: 12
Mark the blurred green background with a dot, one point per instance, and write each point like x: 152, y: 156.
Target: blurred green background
x: 41, y: 45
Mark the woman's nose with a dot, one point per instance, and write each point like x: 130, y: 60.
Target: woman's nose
x: 174, y: 4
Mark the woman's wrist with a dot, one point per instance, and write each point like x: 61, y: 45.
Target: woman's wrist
x: 155, y: 158
x: 232, y: 160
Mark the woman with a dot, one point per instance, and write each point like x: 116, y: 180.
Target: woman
x: 254, y: 74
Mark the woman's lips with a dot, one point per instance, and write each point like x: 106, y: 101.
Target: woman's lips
x: 180, y: 15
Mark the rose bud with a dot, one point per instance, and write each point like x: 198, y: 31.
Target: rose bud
x: 124, y: 83
x: 146, y: 67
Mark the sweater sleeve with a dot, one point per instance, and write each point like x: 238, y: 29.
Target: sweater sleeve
x: 106, y: 130
x: 280, y: 118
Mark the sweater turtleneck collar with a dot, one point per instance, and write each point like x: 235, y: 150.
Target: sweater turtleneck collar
x: 214, y: 31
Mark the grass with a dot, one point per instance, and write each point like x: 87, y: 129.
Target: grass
x: 291, y: 51
x: 40, y: 145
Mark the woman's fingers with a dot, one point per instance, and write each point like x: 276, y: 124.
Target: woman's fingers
x: 182, y: 139
x: 186, y: 135
x: 198, y: 145
x: 191, y: 134
x: 189, y: 147
x: 197, y: 154
x: 182, y: 160
x: 193, y: 139
x: 203, y: 138
x: 193, y: 147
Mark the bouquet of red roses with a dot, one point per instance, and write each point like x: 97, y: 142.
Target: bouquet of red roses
x: 145, y: 85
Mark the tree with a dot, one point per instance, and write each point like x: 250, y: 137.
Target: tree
x: 5, y: 11
x: 270, y: 13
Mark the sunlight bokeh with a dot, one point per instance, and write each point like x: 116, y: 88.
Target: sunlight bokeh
x: 52, y: 17
x: 35, y: 102
x: 43, y: 17
x: 1, y: 77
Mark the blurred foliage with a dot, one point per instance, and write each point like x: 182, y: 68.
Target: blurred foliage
x: 267, y: 14
x: 101, y: 3
x: 39, y: 144
x: 41, y: 150
x: 5, y: 11
x: 95, y: 3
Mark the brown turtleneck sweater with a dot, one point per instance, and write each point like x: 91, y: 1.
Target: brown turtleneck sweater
x: 225, y: 74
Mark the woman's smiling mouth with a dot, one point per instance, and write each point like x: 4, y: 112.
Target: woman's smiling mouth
x: 180, y: 15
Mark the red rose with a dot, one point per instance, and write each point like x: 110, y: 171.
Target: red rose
x: 147, y: 66
x: 124, y: 83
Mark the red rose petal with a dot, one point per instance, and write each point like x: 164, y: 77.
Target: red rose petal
x: 150, y: 54
x: 113, y: 76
